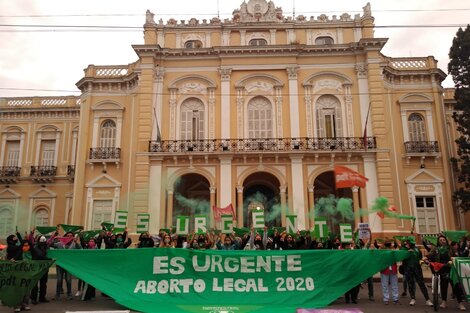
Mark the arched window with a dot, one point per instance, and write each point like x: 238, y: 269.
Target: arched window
x: 6, y: 222
x: 258, y: 42
x: 108, y: 134
x: 324, y: 40
x: 260, y: 118
x: 192, y: 120
x: 416, y: 127
x: 193, y: 44
x: 41, y: 217
x: 328, y: 117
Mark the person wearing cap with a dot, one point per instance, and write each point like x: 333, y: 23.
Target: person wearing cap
x: 413, y: 271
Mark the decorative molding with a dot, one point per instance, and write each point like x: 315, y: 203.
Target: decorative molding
x: 225, y: 73
x: 361, y: 70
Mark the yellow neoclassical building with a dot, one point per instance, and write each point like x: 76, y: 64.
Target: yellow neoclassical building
x: 253, y: 111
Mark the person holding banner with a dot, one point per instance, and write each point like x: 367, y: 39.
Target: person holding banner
x: 256, y: 242
x: 15, y: 253
x: 457, y: 288
x: 39, y: 252
x: 69, y: 241
x: 413, y: 271
x: 167, y: 242
x: 229, y: 243
x: 145, y: 241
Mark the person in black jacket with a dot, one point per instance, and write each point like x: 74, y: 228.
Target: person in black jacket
x: 15, y: 253
x: 145, y: 241
x: 39, y: 252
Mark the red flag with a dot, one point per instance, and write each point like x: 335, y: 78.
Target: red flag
x: 346, y: 177
x: 219, y: 211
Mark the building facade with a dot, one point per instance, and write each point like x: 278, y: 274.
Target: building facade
x: 253, y: 111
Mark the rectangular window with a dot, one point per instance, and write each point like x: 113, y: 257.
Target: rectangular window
x: 47, y: 152
x: 13, y: 153
x: 102, y: 212
x: 427, y: 217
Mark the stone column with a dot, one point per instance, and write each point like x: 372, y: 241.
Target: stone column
x: 158, y: 101
x: 297, y: 192
x: 212, y: 204
x: 357, y: 218
x: 293, y: 102
x: 155, y: 198
x: 311, y: 205
x: 239, y: 206
x: 225, y: 180
x: 364, y: 100
x: 169, y: 208
x: 372, y: 191
x: 282, y: 190
x: 225, y: 102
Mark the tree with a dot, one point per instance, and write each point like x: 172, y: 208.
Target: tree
x: 459, y: 68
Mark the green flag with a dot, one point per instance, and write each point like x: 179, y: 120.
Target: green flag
x: 45, y: 230
x: 432, y: 240
x: 71, y: 228
x: 107, y: 226
x: 88, y: 234
x: 455, y: 235
x: 18, y: 278
x: 185, y: 280
x: 460, y: 272
x: 240, y: 232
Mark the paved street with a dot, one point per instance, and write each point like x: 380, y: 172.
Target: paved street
x: 103, y: 304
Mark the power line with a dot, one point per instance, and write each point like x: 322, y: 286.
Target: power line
x: 226, y: 14
x: 120, y: 28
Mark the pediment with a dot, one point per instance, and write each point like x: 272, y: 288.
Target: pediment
x: 43, y: 193
x: 103, y: 181
x: 9, y: 194
x: 423, y: 176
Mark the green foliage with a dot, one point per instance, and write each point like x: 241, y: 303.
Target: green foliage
x: 459, y: 68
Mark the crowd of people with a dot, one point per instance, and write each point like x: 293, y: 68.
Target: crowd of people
x: 34, y: 246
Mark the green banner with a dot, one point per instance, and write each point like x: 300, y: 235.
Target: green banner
x: 45, y: 230
x: 226, y: 222
x: 185, y: 280
x: 291, y: 222
x: 18, y: 278
x: 461, y: 272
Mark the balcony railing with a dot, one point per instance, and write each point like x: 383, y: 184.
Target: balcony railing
x: 70, y: 172
x: 421, y: 147
x: 9, y: 174
x: 43, y: 173
x: 326, y: 144
x: 108, y: 153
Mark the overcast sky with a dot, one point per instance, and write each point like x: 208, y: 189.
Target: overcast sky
x: 50, y: 61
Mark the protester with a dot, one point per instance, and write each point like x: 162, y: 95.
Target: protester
x: 15, y: 253
x: 413, y: 271
x: 145, y: 241
x: 229, y: 243
x: 389, y: 279
x: 39, y: 252
x: 442, y: 253
x: 69, y: 241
